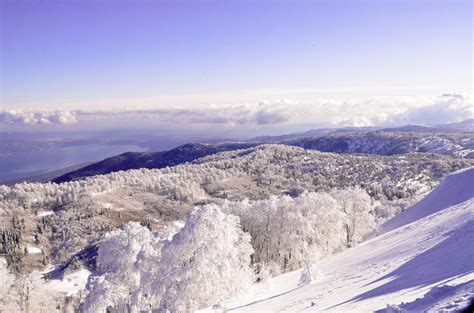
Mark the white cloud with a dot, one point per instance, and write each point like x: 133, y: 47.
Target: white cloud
x: 447, y: 108
x: 388, y: 111
x: 36, y: 118
x: 260, y: 114
x: 450, y: 107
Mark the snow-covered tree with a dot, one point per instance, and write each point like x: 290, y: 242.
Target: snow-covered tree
x: 206, y: 262
x: 310, y: 272
x: 288, y: 231
x: 118, y: 274
x: 359, y: 221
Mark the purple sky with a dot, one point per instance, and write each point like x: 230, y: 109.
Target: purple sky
x: 106, y: 54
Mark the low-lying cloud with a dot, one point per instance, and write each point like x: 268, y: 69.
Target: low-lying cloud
x: 37, y: 118
x: 451, y: 107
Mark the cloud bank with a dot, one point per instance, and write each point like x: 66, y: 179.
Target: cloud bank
x: 37, y: 118
x: 450, y: 107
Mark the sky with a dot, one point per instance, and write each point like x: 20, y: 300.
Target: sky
x: 65, y: 56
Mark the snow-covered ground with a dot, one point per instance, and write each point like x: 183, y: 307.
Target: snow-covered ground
x: 70, y: 283
x: 423, y: 261
x: 45, y: 213
x: 456, y: 188
x: 33, y: 250
x: 33, y: 293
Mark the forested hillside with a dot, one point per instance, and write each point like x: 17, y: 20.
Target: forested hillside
x: 444, y: 141
x: 333, y: 200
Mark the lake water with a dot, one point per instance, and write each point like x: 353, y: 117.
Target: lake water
x: 24, y: 164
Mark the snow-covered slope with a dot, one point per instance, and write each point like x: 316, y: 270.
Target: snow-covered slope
x: 427, y: 263
x: 33, y: 293
x: 456, y: 188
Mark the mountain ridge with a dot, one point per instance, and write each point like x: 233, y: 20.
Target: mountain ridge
x: 378, y: 142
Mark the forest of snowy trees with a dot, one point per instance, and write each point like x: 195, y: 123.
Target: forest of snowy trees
x: 248, y: 214
x: 275, y: 167
x: 222, y: 249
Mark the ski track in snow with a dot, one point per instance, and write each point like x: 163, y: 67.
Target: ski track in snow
x: 424, y: 264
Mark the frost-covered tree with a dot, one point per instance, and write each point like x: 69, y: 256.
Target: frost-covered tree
x: 118, y: 272
x: 359, y: 220
x: 310, y: 272
x: 287, y: 231
x: 206, y: 262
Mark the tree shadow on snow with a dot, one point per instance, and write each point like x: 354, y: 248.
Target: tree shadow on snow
x: 452, y: 257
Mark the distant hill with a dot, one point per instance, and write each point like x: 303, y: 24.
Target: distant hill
x: 390, y: 142
x: 411, y: 128
x: 466, y: 125
x: 134, y: 160
x: 43, y: 177
x: 442, y: 139
x: 309, y: 133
